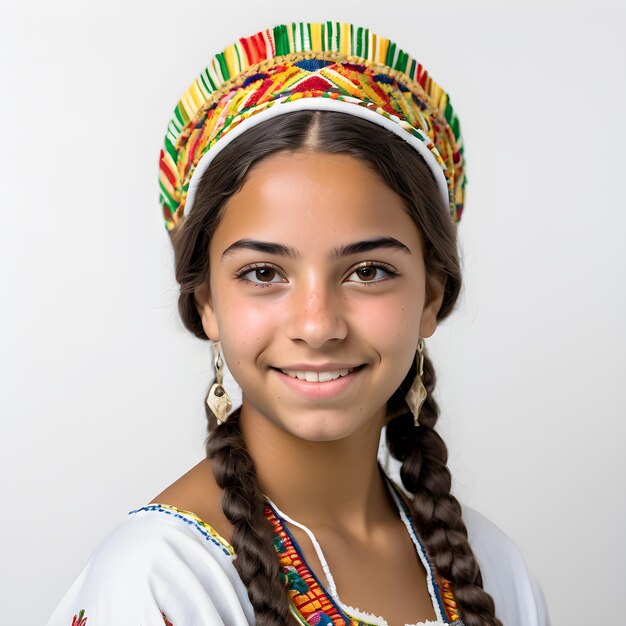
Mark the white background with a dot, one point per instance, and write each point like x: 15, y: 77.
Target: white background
x: 102, y: 388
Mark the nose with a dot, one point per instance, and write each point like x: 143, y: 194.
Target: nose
x: 316, y: 315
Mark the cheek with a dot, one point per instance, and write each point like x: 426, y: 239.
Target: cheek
x: 391, y: 326
x: 246, y: 326
x: 391, y: 321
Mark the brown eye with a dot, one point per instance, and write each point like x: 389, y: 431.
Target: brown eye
x: 265, y: 274
x: 367, y: 273
x: 261, y: 275
x: 372, y: 272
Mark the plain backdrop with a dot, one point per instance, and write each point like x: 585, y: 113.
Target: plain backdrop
x: 101, y: 386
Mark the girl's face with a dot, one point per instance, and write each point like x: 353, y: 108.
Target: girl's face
x: 316, y: 268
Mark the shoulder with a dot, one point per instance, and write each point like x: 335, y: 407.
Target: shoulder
x: 518, y: 597
x: 493, y: 544
x: 197, y: 491
x: 158, y: 561
x: 157, y: 532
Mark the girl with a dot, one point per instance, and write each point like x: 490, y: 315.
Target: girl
x: 311, y: 181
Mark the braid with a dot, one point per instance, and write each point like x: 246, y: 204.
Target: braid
x: 242, y: 503
x: 436, y: 511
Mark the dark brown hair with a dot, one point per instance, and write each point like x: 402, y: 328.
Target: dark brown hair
x: 422, y: 452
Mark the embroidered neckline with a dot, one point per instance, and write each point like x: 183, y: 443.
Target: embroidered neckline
x: 307, y: 593
x: 313, y: 604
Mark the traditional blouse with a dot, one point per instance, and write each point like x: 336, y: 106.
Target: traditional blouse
x: 164, y: 566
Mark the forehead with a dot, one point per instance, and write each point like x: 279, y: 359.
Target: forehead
x: 314, y: 201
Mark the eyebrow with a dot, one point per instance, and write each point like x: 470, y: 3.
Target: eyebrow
x: 280, y: 249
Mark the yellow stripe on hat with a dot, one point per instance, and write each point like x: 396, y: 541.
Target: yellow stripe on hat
x: 435, y: 93
x: 338, y: 79
x: 231, y: 60
x: 188, y: 105
x: 196, y: 95
x: 345, y: 39
x: 316, y: 37
x: 443, y: 101
x: 383, y: 45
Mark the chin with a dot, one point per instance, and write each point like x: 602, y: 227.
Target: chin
x: 319, y: 434
x: 314, y: 424
x: 321, y: 427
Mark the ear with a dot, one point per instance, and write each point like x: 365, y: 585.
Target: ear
x: 204, y: 304
x: 434, y: 298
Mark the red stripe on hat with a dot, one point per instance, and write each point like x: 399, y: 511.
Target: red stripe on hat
x: 255, y: 43
x: 165, y: 168
x: 245, y: 42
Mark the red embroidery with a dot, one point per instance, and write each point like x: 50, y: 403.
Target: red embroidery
x: 79, y: 620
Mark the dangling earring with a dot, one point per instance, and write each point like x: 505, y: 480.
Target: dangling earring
x: 417, y: 393
x: 218, y: 399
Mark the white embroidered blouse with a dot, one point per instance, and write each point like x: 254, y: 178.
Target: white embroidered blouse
x: 163, y: 566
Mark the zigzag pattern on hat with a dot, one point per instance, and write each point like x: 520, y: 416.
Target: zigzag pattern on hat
x: 283, y: 64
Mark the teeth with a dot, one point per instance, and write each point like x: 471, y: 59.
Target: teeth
x: 317, y: 377
x: 324, y: 376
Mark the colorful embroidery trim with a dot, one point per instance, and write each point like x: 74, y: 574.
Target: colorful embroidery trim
x: 193, y: 520
x: 307, y: 593
x: 449, y: 600
x: 311, y: 603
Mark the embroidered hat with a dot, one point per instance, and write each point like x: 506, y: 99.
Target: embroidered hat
x: 304, y: 65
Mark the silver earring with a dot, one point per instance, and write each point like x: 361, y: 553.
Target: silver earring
x: 218, y: 399
x: 417, y: 393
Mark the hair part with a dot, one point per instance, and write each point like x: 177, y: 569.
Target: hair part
x: 421, y: 451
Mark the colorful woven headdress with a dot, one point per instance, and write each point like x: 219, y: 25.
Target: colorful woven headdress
x: 331, y: 66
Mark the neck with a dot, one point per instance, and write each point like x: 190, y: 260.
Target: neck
x: 334, y: 483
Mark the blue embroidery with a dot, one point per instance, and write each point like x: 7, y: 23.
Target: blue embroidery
x: 191, y: 522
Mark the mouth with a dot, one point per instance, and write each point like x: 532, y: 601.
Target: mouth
x: 319, y: 377
x: 320, y: 385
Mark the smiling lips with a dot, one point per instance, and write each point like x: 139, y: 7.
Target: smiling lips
x: 319, y: 381
x: 317, y: 377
